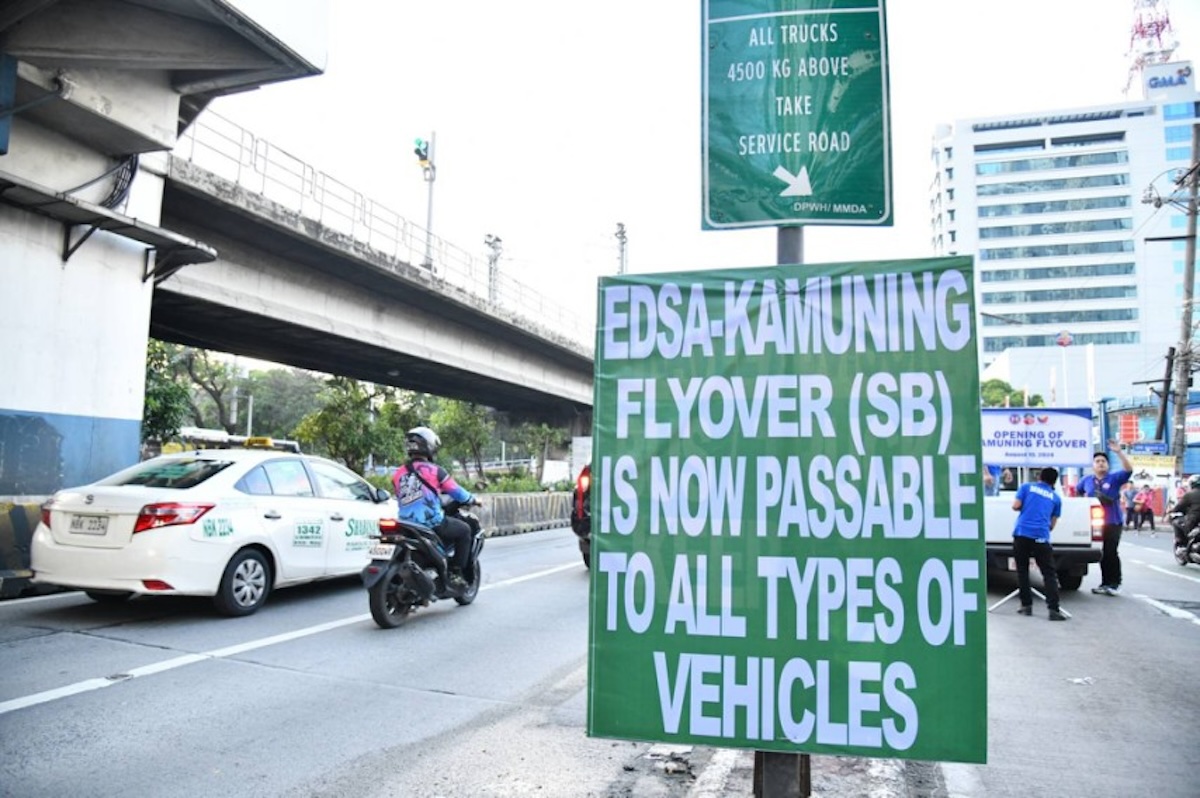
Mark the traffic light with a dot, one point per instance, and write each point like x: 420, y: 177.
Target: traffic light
x: 422, y: 152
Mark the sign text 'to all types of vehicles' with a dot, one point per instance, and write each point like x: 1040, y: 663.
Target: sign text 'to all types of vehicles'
x: 232, y: 524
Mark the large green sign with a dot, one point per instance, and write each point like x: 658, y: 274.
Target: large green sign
x: 787, y: 511
x: 795, y: 113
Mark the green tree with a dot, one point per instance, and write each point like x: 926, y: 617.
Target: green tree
x: 541, y: 438
x: 282, y: 397
x: 465, y: 429
x: 344, y: 427
x: 166, y: 402
x: 998, y: 393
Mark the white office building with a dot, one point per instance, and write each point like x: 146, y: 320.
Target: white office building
x: 1079, y: 279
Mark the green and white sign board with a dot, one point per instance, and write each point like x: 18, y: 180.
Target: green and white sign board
x: 787, y: 504
x: 795, y: 113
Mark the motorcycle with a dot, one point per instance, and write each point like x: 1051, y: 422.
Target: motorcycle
x: 408, y: 568
x: 1190, y: 552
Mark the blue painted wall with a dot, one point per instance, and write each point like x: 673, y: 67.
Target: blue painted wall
x: 42, y: 452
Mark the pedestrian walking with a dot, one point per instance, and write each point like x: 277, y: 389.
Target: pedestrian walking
x: 1143, y: 506
x: 1105, y: 485
x: 1128, y: 497
x: 1039, y: 508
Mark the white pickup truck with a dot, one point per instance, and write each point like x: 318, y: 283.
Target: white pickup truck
x: 1076, y: 537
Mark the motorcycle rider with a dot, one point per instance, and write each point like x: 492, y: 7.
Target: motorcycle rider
x: 1188, y: 512
x: 419, y: 484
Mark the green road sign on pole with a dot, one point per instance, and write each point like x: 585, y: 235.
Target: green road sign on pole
x: 787, y: 511
x: 795, y: 113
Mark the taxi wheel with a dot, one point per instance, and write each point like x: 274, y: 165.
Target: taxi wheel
x: 245, y: 584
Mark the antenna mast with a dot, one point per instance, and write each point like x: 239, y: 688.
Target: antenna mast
x: 1151, y: 40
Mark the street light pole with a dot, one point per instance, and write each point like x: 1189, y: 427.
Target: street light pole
x: 425, y: 155
x: 494, y: 244
x: 621, y: 239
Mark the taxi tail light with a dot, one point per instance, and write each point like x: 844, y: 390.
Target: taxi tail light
x: 46, y: 513
x: 1097, y: 522
x: 156, y: 584
x: 153, y: 516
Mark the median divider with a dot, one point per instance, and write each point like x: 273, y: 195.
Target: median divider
x: 515, y: 513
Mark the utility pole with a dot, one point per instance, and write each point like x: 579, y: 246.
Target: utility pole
x: 494, y: 244
x: 1183, y: 363
x: 621, y: 239
x: 424, y: 151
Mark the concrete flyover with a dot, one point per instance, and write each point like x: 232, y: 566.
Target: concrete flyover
x: 292, y: 289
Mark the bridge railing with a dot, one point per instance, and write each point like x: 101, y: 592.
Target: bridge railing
x: 233, y: 153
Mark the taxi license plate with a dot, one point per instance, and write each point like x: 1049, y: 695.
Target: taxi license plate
x: 89, y: 524
x: 382, y: 551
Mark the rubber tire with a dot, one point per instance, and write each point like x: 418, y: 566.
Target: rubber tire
x: 245, y: 584
x: 388, y: 614
x: 472, y: 587
x: 587, y: 559
x: 102, y: 597
x: 1069, y: 581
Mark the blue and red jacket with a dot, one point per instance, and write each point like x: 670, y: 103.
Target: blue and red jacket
x: 419, y: 497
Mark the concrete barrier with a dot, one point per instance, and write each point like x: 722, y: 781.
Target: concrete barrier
x: 515, y: 513
x: 501, y: 514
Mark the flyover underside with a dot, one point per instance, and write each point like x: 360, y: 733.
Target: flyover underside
x: 278, y: 293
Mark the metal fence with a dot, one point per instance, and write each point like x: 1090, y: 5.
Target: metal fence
x: 233, y: 153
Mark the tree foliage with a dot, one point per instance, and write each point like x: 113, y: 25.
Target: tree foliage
x: 166, y: 402
x: 465, y: 429
x: 281, y: 399
x: 540, y: 439
x: 998, y: 393
x: 344, y: 427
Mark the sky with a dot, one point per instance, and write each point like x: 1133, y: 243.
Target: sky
x: 552, y: 126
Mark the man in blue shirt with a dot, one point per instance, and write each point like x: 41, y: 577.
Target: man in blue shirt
x: 1039, y: 507
x: 1105, y: 485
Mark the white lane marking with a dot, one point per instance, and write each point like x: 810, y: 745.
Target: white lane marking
x: 712, y: 780
x: 218, y: 653
x: 1172, y: 572
x: 1167, y: 609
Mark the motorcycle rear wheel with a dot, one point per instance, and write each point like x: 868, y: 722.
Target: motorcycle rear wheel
x: 386, y: 607
x: 472, y: 587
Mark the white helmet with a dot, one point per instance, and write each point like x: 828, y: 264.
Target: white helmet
x: 421, y: 441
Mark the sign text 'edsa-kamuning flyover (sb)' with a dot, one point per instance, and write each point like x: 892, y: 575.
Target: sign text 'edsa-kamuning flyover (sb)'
x: 795, y: 113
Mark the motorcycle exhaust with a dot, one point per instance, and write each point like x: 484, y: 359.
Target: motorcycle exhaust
x: 418, y: 580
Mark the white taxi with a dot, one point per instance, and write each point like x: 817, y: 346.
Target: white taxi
x: 233, y: 524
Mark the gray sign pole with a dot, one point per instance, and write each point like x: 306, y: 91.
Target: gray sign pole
x: 779, y: 775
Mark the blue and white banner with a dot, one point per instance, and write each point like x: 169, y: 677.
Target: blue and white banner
x: 1033, y: 437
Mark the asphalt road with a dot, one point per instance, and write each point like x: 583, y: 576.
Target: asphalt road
x: 309, y: 698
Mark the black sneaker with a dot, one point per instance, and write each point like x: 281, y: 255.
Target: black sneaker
x: 1057, y: 615
x: 1023, y: 610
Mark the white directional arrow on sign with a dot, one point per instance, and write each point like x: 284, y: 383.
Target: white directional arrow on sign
x: 797, y: 184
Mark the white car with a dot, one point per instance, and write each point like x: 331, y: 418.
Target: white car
x: 229, y: 523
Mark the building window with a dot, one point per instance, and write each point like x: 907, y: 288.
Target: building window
x: 1059, y: 272
x: 1055, y: 206
x: 1061, y: 184
x: 1178, y: 133
x: 1065, y: 295
x: 1180, y: 111
x: 1001, y: 343
x: 1179, y: 153
x: 1035, y: 145
x: 1056, y: 250
x: 1059, y: 162
x: 1056, y: 228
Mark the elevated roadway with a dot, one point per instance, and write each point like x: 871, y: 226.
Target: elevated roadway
x: 311, y: 274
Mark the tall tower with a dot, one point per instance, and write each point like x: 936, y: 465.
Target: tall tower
x: 1151, y: 40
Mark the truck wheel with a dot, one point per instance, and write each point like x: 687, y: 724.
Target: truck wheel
x: 1069, y: 581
